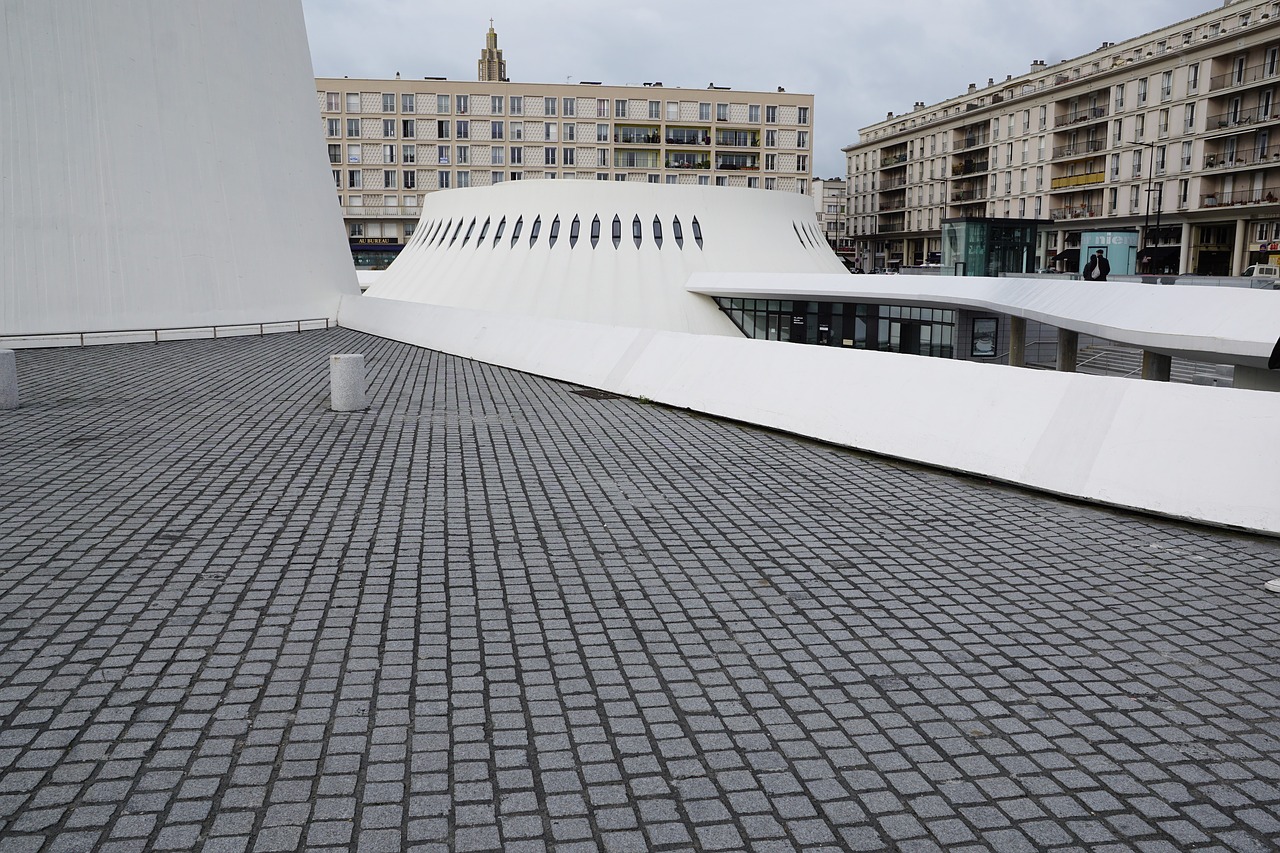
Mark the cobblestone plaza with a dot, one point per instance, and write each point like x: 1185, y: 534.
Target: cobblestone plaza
x: 497, y: 612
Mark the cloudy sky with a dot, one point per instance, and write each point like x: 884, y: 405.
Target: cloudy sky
x: 859, y: 58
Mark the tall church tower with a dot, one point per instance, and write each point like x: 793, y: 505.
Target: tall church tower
x: 493, y: 68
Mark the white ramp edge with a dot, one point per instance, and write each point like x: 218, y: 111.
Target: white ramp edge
x: 1182, y: 451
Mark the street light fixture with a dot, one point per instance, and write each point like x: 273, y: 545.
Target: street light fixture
x: 1146, y: 219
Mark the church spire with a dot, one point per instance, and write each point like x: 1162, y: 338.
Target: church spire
x: 493, y: 68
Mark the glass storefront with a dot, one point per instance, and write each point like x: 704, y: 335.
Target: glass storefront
x: 889, y: 328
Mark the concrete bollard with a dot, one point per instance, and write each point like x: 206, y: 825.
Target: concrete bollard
x: 346, y: 383
x: 8, y: 379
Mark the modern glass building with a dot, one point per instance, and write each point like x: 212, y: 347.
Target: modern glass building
x: 889, y: 328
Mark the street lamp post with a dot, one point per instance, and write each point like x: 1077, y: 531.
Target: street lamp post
x: 1146, y: 219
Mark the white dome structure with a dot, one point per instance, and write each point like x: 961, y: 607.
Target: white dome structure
x: 611, y: 253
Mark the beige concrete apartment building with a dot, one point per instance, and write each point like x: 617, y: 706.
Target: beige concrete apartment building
x: 1175, y: 133
x: 829, y: 199
x: 390, y: 142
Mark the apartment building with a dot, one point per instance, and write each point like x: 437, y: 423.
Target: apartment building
x: 829, y: 200
x: 1174, y: 135
x: 392, y: 141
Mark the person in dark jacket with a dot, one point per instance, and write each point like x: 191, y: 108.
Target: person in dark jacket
x: 1097, y: 268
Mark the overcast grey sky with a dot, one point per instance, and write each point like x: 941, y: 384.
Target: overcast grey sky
x: 860, y: 59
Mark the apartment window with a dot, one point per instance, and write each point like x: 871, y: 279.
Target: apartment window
x: 388, y: 128
x: 655, y: 109
x: 1113, y: 199
x: 671, y: 179
x: 722, y: 112
x: 388, y: 153
x: 570, y: 132
x: 442, y: 129
x: 408, y: 128
x: 802, y: 162
x: 353, y: 153
x: 722, y: 181
x: 407, y: 104
x: 619, y: 108
x: 517, y: 155
x: 333, y: 127
x: 802, y: 139
x: 803, y: 118
x: 567, y: 157
x: 1193, y: 77
x: 995, y: 129
x: 771, y: 139
x: 442, y: 180
x: 1039, y: 177
x: 1166, y: 85
x: 388, y: 102
x: 570, y: 107
x: 517, y: 108
x: 463, y: 103
x: 464, y: 155
x: 496, y: 104
x: 1142, y: 91
x: 1010, y: 126
x: 1118, y: 130
x: 517, y: 130
x: 357, y: 229
x: 1163, y: 122
x: 353, y: 179
x: 1160, y: 159
x: 548, y: 106
x: 1026, y: 151
x: 353, y: 102
x: 353, y: 128
x: 442, y: 104
x: 337, y: 181
x: 1184, y: 187
x: 771, y: 183
x: 673, y: 110
x: 409, y: 154
x: 802, y: 187
x: 771, y: 115
x: 1189, y: 117
x: 442, y: 154
x: 602, y: 157
x: 771, y: 162
x: 602, y: 133
x: 704, y: 112
x: 602, y: 108
x: 496, y: 177
x: 549, y: 131
x: 619, y: 177
x: 335, y: 153
x: 1044, y: 117
x: 1026, y: 121
x: 753, y: 113
x: 332, y: 103
x: 496, y: 129
x: 1272, y: 61
x: 388, y: 179
x: 604, y: 176
x: 1137, y: 163
x: 1133, y: 199
x: 1186, y: 155
x: 1139, y: 126
x: 497, y: 156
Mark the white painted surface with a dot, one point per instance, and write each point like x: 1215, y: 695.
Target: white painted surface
x: 1179, y: 450
x: 1212, y: 324
x: 447, y: 263
x: 163, y: 166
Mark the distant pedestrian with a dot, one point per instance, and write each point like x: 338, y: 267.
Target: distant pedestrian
x: 1097, y: 268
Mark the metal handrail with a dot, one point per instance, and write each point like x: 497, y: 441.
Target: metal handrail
x: 155, y: 333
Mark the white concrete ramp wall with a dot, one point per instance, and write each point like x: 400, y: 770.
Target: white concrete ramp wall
x: 163, y: 166
x: 1185, y: 451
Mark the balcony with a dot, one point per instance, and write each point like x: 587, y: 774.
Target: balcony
x: 637, y: 136
x: 737, y: 162
x: 1246, y: 77
x: 738, y: 138
x: 1241, y: 118
x: 635, y: 159
x: 970, y: 167
x: 688, y: 160
x: 973, y: 141
x: 1078, y: 211
x: 1080, y: 116
x: 372, y: 211
x: 891, y: 183
x: 1243, y: 158
x: 892, y: 159
x: 968, y: 195
x: 1079, y: 149
x: 899, y: 204
x: 1071, y: 181
x: 687, y: 136
x: 1237, y: 197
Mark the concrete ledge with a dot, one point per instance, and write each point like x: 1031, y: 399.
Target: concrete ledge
x: 1177, y: 450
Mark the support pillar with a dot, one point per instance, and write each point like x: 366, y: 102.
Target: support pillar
x: 346, y: 383
x: 8, y: 379
x: 1068, y: 344
x: 1238, y: 250
x: 1017, y: 341
x: 1184, y: 259
x: 1156, y: 366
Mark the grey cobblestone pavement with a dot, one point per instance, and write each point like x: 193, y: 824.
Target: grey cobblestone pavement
x: 491, y: 613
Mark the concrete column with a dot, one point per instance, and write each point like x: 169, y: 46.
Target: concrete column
x: 8, y: 379
x: 1237, y: 252
x: 1017, y: 341
x: 346, y: 383
x: 1068, y: 344
x: 1156, y: 366
x: 1184, y: 259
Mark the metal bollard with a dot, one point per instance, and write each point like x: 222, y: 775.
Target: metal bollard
x: 346, y: 383
x: 8, y: 379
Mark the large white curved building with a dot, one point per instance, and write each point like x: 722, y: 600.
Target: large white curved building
x: 162, y: 168
x: 601, y: 252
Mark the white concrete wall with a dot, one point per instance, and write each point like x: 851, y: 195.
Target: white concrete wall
x: 1179, y: 450
x: 163, y: 166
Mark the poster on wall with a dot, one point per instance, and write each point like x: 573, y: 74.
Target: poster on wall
x: 983, y: 344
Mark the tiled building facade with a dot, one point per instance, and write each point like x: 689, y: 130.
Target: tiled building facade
x: 1175, y: 133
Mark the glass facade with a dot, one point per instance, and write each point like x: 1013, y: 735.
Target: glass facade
x: 973, y: 246
x: 889, y: 328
